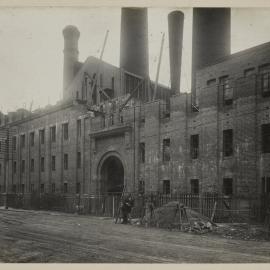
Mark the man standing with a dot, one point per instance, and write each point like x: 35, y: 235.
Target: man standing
x: 126, y: 208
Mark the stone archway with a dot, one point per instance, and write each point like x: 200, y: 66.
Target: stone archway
x: 111, y: 175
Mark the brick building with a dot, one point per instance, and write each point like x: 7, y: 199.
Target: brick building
x: 115, y: 127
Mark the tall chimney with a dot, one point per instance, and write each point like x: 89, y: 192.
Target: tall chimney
x: 134, y: 41
x: 71, y: 36
x: 211, y: 37
x: 175, y: 24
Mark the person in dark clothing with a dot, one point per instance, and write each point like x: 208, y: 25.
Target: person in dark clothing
x: 126, y: 208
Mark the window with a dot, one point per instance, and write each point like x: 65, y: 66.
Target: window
x: 227, y: 142
x: 249, y: 72
x: 0, y: 168
x: 32, y: 138
x: 53, y: 163
x: 112, y: 83
x: 42, y: 188
x: 32, y: 165
x: 14, y: 188
x: 23, y: 166
x: 42, y: 136
x: 65, y: 161
x: 142, y: 152
x: 14, y: 143
x: 226, y: 90
x: 78, y: 188
x: 166, y: 150
x: 79, y: 160
x: 42, y: 164
x: 266, y: 185
x: 265, y: 128
x: 65, y: 131
x: 32, y: 188
x: 53, y: 133
x: 194, y: 186
x: 22, y: 188
x: 227, y: 186
x: 0, y: 146
x: 166, y: 187
x: 265, y: 84
x: 112, y: 119
x: 211, y: 82
x: 141, y: 187
x: 194, y: 146
x: 53, y: 187
x: 22, y: 140
x: 79, y: 128
x: 14, y: 167
x: 65, y: 187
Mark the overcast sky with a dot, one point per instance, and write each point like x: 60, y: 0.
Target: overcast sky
x: 31, y: 55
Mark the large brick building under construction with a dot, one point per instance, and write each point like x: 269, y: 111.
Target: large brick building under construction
x: 115, y: 127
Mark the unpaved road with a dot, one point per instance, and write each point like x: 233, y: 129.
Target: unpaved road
x: 37, y: 236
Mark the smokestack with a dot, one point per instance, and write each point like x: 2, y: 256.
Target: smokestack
x: 175, y: 24
x: 134, y: 41
x: 71, y: 36
x: 211, y: 37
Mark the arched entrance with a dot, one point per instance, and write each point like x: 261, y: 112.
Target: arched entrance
x: 112, y: 175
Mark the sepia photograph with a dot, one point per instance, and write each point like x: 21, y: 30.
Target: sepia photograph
x: 134, y: 134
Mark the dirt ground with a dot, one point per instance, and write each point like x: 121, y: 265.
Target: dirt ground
x: 37, y: 236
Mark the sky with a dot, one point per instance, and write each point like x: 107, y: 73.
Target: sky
x: 31, y: 46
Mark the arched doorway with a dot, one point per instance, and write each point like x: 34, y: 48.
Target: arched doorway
x: 112, y: 175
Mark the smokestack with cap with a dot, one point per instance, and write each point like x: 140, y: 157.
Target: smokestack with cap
x: 175, y: 24
x: 211, y: 37
x: 71, y: 36
x: 134, y: 41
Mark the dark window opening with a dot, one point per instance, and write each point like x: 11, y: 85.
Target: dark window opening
x: 194, y: 146
x: 32, y: 139
x: 227, y: 186
x: 266, y: 185
x: 65, y: 187
x: 265, y: 82
x: 141, y: 187
x: 53, y: 163
x: 79, y: 160
x: 211, y: 82
x: 142, y: 152
x: 42, y: 189
x: 65, y: 131
x: 265, y: 128
x: 14, y: 188
x: 78, y: 188
x: 22, y: 188
x: 194, y: 186
x: 53, y: 187
x: 14, y: 167
x: 166, y: 150
x: 112, y: 119
x: 32, y: 165
x: 42, y: 136
x: 79, y: 128
x: 65, y: 161
x: 32, y: 188
x: 42, y: 164
x: 23, y: 166
x: 14, y: 143
x: 0, y: 168
x: 227, y: 142
x: 249, y: 72
x: 226, y: 90
x: 166, y: 187
x: 53, y: 134
x: 23, y: 141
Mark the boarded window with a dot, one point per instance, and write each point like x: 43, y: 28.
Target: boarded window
x: 226, y: 90
x: 32, y: 139
x: 53, y: 133
x: 227, y: 142
x: 265, y: 138
x: 65, y: 161
x: 194, y: 146
x: 142, y: 152
x: 266, y: 185
x: 166, y: 187
x: 53, y: 163
x: 65, y: 131
x: 166, y: 150
x: 42, y: 136
x: 227, y: 186
x: 194, y: 186
x: 42, y: 164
